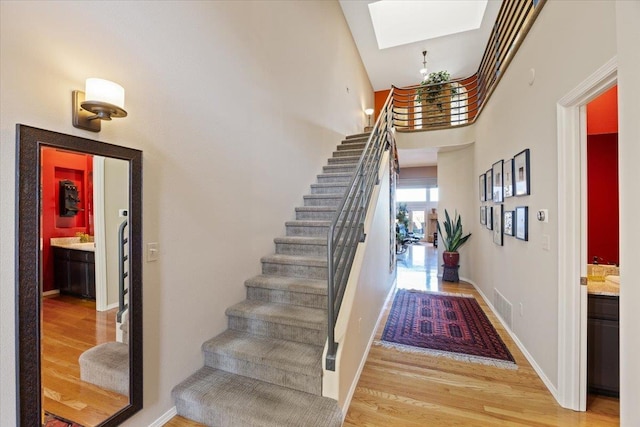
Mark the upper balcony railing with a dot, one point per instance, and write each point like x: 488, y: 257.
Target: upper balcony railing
x: 460, y: 101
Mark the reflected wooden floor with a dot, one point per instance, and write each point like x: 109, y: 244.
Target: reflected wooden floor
x: 69, y: 327
x: 401, y: 389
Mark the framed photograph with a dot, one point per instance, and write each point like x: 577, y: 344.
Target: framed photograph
x: 522, y: 173
x: 497, y: 171
x: 483, y: 215
x: 497, y: 224
x: 489, y: 217
x: 522, y: 223
x: 508, y: 178
x: 489, y: 185
x: 508, y: 223
x: 483, y: 188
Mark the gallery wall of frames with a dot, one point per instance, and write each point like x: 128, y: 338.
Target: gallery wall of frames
x: 506, y: 178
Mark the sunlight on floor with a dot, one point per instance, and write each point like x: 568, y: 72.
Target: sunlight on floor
x: 418, y: 268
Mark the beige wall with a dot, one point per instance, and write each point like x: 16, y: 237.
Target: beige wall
x: 236, y: 106
x: 628, y: 34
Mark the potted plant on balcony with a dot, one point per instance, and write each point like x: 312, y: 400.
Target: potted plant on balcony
x: 452, y: 239
x: 433, y: 97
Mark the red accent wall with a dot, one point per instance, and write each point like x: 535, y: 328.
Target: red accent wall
x: 56, y: 166
x: 602, y: 113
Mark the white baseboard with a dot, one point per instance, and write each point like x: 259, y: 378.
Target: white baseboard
x: 52, y: 292
x: 547, y: 382
x: 354, y: 384
x: 164, y: 418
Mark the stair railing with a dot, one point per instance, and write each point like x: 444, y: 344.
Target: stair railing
x: 347, y: 228
x: 122, y: 273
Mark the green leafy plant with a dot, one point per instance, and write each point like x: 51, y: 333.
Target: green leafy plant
x: 453, y: 230
x: 402, y: 217
x: 431, y: 88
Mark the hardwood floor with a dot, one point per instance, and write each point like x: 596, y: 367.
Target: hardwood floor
x: 403, y: 389
x: 69, y: 327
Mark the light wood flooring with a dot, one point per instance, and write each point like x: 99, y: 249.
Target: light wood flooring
x: 402, y: 389
x: 69, y: 327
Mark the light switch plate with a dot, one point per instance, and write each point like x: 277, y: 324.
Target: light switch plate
x: 152, y: 252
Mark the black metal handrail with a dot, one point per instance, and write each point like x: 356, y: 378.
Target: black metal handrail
x: 122, y: 273
x: 347, y: 228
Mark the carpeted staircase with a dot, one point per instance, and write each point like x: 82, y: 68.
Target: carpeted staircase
x: 266, y: 369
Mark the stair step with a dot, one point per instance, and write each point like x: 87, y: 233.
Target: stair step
x: 323, y: 199
x: 344, y: 159
x: 329, y: 188
x: 363, y: 135
x: 310, y: 228
x: 347, y: 153
x: 217, y: 398
x: 340, y: 168
x: 352, y: 146
x: 282, y: 321
x: 301, y: 245
x: 285, y: 363
x: 316, y: 212
x: 340, y: 177
x: 295, y: 266
x: 288, y: 290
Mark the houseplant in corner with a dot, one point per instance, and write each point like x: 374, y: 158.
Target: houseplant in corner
x: 452, y: 239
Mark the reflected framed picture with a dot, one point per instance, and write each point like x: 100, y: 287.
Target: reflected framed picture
x: 497, y: 172
x: 483, y: 188
x: 508, y: 223
x: 497, y: 225
x: 483, y: 215
x: 489, y: 185
x: 508, y: 178
x: 522, y: 173
x: 522, y: 223
x: 489, y: 217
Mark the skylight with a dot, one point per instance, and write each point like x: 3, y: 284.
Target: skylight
x: 398, y: 22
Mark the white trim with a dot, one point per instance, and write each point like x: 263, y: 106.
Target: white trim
x: 547, y: 382
x: 354, y: 384
x: 571, y: 265
x: 112, y: 306
x: 51, y: 292
x: 99, y: 234
x: 164, y: 418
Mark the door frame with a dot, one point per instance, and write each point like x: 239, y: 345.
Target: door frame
x: 572, y: 231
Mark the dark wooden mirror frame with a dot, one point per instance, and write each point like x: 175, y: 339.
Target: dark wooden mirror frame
x: 29, y: 141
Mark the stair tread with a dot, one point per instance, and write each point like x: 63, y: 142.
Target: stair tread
x: 308, y: 223
x: 294, y: 284
x: 316, y: 208
x: 359, y: 135
x: 220, y: 398
x: 329, y: 184
x: 295, y: 260
x: 281, y: 354
x: 285, y: 314
x: 302, y: 240
x: 324, y: 196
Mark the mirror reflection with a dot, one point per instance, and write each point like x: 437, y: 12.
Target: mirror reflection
x: 84, y: 252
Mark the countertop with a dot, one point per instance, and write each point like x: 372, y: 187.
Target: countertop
x: 607, y: 287
x: 73, y: 243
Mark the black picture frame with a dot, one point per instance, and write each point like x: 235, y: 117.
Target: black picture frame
x: 508, y: 178
x: 497, y: 225
x: 483, y: 215
x: 489, y: 185
x: 522, y: 223
x: 498, y: 182
x: 522, y: 173
x: 483, y: 187
x: 507, y: 222
x: 489, y: 217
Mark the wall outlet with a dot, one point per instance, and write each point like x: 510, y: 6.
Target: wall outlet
x: 152, y: 252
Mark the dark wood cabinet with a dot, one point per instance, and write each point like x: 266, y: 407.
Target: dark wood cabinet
x: 603, y: 345
x: 74, y: 272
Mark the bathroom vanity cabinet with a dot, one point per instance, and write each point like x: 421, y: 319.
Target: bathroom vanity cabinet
x: 603, y: 345
x: 74, y: 272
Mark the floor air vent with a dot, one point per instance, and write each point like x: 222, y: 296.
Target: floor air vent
x: 503, y: 306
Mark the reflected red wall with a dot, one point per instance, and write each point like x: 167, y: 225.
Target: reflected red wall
x: 602, y: 178
x: 57, y: 166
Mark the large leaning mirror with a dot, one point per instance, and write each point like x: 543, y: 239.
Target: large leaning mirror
x: 79, y: 280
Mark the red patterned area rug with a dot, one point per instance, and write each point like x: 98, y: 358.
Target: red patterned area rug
x: 447, y: 325
x: 51, y: 420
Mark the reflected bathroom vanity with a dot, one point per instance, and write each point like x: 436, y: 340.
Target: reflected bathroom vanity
x: 74, y: 268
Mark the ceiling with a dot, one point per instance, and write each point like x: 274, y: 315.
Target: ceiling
x: 459, y: 53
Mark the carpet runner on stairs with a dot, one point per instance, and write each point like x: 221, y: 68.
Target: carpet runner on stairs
x: 266, y: 369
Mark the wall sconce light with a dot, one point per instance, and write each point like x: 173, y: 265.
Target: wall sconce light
x: 369, y: 113
x: 101, y: 100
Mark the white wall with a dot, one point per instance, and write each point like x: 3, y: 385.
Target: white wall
x: 520, y: 116
x: 236, y: 106
x: 628, y: 34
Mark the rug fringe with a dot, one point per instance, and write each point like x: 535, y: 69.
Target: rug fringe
x: 455, y: 356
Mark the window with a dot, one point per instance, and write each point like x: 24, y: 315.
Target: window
x: 411, y: 195
x: 433, y: 194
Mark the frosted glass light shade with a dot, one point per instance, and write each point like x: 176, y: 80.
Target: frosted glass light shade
x: 100, y: 90
x: 368, y: 111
